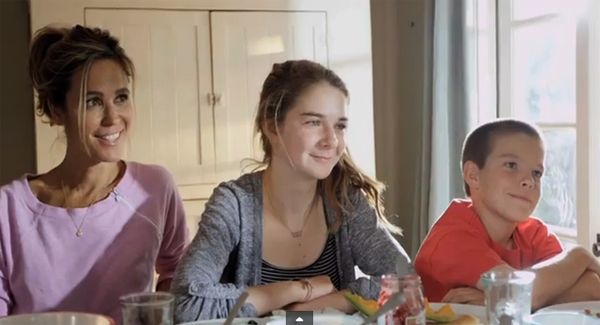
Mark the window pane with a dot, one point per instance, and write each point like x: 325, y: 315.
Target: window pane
x: 557, y: 205
x: 522, y: 10
x: 543, y: 71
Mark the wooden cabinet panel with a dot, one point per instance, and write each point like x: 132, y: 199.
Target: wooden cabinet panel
x: 245, y: 46
x: 198, y: 80
x: 174, y: 122
x: 175, y: 125
x: 193, y: 212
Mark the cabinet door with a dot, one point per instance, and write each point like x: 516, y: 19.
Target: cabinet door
x: 173, y: 125
x: 245, y: 46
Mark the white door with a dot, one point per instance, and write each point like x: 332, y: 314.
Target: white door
x: 245, y: 46
x: 174, y: 123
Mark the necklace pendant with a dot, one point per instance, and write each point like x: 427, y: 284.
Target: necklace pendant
x: 79, y: 233
x: 296, y: 234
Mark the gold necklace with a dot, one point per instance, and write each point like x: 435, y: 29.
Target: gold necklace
x: 295, y: 234
x: 79, y: 228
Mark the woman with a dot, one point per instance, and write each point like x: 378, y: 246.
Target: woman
x: 292, y: 234
x: 94, y: 227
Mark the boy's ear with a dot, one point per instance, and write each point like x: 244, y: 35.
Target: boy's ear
x: 471, y: 174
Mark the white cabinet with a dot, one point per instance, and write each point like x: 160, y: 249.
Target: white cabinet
x: 200, y: 65
x: 199, y: 76
x: 174, y: 124
x: 245, y: 46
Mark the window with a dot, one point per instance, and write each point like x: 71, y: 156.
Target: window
x: 544, y: 67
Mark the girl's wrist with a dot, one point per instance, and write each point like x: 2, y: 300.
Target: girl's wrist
x: 298, y: 291
x: 308, y: 289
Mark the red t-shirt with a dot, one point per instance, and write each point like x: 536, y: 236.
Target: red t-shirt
x: 458, y: 250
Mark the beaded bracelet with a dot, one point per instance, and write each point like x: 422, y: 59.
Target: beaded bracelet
x: 306, y: 284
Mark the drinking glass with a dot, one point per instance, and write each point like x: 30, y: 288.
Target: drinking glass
x: 144, y: 308
x: 507, y: 296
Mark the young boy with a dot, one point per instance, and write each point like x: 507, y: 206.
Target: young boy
x: 502, y: 164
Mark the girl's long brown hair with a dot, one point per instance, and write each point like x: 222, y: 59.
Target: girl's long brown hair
x: 286, y: 82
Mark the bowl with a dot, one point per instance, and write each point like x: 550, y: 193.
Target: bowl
x: 57, y: 318
x: 562, y: 318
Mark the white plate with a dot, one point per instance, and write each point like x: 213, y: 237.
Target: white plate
x: 236, y: 321
x: 461, y: 309
x: 563, y: 318
x: 573, y: 306
x: 57, y: 318
x: 326, y: 319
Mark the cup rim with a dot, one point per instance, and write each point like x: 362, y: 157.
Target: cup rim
x: 505, y: 276
x: 163, y: 297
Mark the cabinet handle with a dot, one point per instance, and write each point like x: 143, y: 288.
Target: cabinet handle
x: 213, y: 99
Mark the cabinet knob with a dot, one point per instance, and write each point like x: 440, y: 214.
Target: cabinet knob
x: 213, y: 99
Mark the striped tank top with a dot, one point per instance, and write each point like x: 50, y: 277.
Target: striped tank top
x: 326, y: 264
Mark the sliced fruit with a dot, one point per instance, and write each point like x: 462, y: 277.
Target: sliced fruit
x: 365, y: 306
x: 443, y: 315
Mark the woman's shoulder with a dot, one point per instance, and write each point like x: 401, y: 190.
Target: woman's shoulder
x: 357, y: 201
x: 138, y: 169
x: 17, y: 188
x: 17, y: 196
x: 142, y: 179
x: 235, y: 197
x: 246, y: 185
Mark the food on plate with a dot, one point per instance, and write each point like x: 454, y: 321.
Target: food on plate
x: 365, y: 306
x: 589, y: 312
x: 465, y: 320
x: 446, y: 315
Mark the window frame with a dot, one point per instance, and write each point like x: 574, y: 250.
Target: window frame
x: 587, y: 110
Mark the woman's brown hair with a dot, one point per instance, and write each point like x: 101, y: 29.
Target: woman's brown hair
x: 282, y: 87
x: 57, y: 53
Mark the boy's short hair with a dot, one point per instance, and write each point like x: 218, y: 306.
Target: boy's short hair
x: 477, y: 145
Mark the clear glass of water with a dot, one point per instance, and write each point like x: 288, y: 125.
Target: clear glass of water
x: 508, y: 296
x: 145, y: 308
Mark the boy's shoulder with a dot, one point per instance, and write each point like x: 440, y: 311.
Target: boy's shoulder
x: 458, y: 229
x: 459, y: 213
x: 532, y: 226
x: 459, y: 220
x: 533, y: 222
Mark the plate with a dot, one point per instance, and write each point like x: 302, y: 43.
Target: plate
x: 236, y: 321
x: 462, y: 309
x: 57, y: 318
x: 562, y: 318
x: 573, y: 306
x: 326, y: 319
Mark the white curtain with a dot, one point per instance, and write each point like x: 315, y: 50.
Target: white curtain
x: 425, y: 54
x: 463, y: 90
